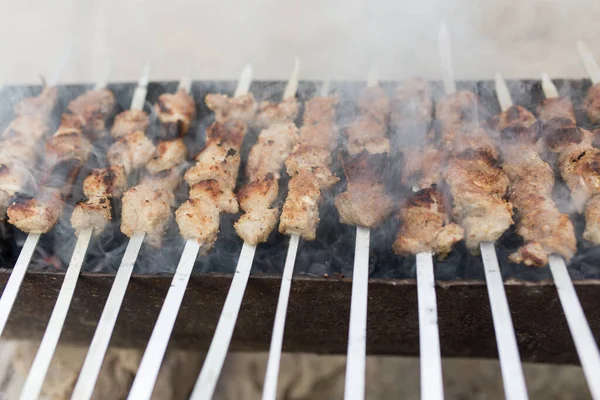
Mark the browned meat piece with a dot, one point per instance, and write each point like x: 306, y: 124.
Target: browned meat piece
x: 41, y: 105
x: 373, y: 146
x: 133, y: 151
x: 175, y: 113
x: 198, y: 219
x: 560, y: 138
x: 215, y: 161
x: 36, y: 215
x: 516, y: 117
x: 5, y: 200
x: 592, y: 104
x: 147, y: 210
x: 363, y: 130
x: 210, y: 190
x: 478, y: 185
x: 29, y: 129
x: 456, y: 109
x: 426, y: 226
x: 422, y: 168
x: 320, y: 110
x: 300, y: 214
x: 277, y: 113
x: 230, y: 108
x: 411, y: 108
x: 260, y: 218
x: 579, y: 167
x: 321, y: 135
x: 105, y: 182
x: 307, y: 157
x: 15, y: 150
x: 93, y: 213
x: 169, y: 154
x: 592, y: 220
x: 365, y: 202
x: 66, y: 152
x: 558, y: 108
x: 129, y: 121
x: 167, y: 180
x: 529, y: 175
x: 273, y: 147
x: 230, y: 133
x: 14, y: 178
x: 472, y: 139
x: 89, y: 112
x: 374, y: 103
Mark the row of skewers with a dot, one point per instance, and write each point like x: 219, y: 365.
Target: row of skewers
x: 489, y: 169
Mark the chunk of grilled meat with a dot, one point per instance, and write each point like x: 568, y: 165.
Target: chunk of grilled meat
x: 273, y: 147
x: 307, y: 157
x: 426, y: 225
x: 457, y: 109
x: 14, y: 178
x: 369, y: 131
x: 411, y: 110
x: 29, y: 129
x: 147, y: 210
x: 198, y: 219
x: 300, y: 213
x: 592, y: 104
x: 132, y: 151
x: 89, y: 112
x: 129, y: 121
x: 66, y: 153
x: 365, y: 202
x: 41, y: 105
x: 168, y: 180
x: 559, y: 137
x: 556, y: 108
x: 592, y: 220
x: 107, y: 182
x: 422, y: 168
x: 478, y: 185
x: 277, y: 113
x: 15, y: 150
x: 216, y: 161
x: 93, y: 213
x: 579, y: 167
x: 211, y: 190
x: 516, y: 117
x: 320, y: 110
x: 175, y: 112
x: 230, y: 133
x: 168, y: 154
x: 229, y: 108
x: 36, y: 215
x: 260, y: 218
x: 322, y: 135
x: 373, y: 102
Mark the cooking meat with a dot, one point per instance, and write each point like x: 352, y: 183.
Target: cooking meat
x: 175, y: 113
x: 168, y: 154
x: 592, y: 220
x: 105, y: 182
x: 198, y: 219
x: 260, y: 217
x: 268, y: 154
x: 129, y: 121
x: 557, y: 108
x: 422, y: 168
x: 231, y: 108
x: 36, y: 215
x: 93, y: 213
x: 211, y: 190
x: 426, y: 225
x: 133, y: 151
x: 579, y: 167
x: 89, y: 112
x: 307, y: 157
x: 28, y: 128
x: 40, y: 106
x: 277, y: 113
x: 411, y: 110
x: 168, y: 180
x: 147, y: 210
x: 215, y: 161
x: 592, y: 104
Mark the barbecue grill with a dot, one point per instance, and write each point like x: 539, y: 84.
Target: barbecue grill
x: 319, y: 304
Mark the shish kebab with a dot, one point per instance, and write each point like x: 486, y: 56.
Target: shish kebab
x: 256, y: 198
x: 309, y: 167
x: 65, y: 153
x: 426, y: 228
x: 147, y: 208
x: 212, y: 181
x: 478, y: 185
x: 365, y: 204
x: 573, y: 168
x: 91, y: 216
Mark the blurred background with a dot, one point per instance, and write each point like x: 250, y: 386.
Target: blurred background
x: 335, y: 39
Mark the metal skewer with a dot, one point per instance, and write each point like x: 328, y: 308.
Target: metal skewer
x: 586, y: 346
x: 18, y: 273
x: 508, y: 351
x: 39, y: 368
x: 88, y: 375
x: 272, y: 373
x: 354, y: 386
x: 209, y: 375
x: 589, y: 62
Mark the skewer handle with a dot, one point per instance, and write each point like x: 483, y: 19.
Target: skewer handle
x: 502, y: 93
x: 103, y: 80
x: 292, y: 86
x: 185, y: 83
x: 589, y: 62
x: 139, y: 96
x: 244, y: 82
x: 445, y: 49
x: 61, y: 66
x: 550, y: 90
x: 324, y: 92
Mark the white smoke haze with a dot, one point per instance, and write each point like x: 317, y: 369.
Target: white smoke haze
x: 337, y: 38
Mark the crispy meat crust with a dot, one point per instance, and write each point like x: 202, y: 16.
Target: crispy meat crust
x: 175, y: 112
x: 129, y: 121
